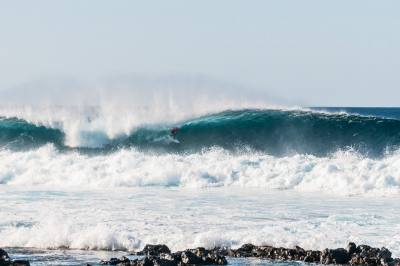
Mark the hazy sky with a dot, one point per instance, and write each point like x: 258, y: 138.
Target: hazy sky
x: 325, y: 53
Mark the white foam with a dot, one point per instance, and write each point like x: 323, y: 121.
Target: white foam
x: 61, y: 232
x: 343, y: 173
x: 186, y: 218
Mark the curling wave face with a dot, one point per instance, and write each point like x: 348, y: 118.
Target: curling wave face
x: 274, y: 132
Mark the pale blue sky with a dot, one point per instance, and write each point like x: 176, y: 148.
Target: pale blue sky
x: 336, y: 53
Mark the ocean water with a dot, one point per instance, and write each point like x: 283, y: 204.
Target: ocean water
x: 78, y: 187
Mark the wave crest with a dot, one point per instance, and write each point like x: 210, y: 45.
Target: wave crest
x: 275, y: 132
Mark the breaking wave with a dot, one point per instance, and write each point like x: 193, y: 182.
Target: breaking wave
x: 274, y: 132
x: 343, y: 173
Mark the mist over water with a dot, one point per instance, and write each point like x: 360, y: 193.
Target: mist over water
x: 90, y: 113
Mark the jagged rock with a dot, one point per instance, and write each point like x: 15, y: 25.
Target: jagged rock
x: 188, y: 257
x: 164, y: 257
x: 353, y: 254
x: 143, y: 262
x: 3, y: 255
x: 384, y: 254
x: 396, y: 262
x: 312, y: 256
x: 5, y: 260
x: 155, y: 250
x: 335, y: 256
x: 115, y: 261
x: 351, y: 248
x: 245, y: 251
x: 222, y: 251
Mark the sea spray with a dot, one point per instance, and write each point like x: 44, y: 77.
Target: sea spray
x: 274, y: 132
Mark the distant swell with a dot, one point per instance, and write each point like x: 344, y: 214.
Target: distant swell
x: 275, y: 132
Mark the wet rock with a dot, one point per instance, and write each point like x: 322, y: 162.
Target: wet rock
x: 188, y: 257
x: 244, y: 251
x: 351, y: 248
x: 115, y: 261
x: 365, y: 254
x: 353, y: 254
x: 143, y: 262
x: 335, y: 256
x: 161, y: 256
x: 395, y: 262
x: 155, y: 250
x: 313, y: 255
x: 222, y: 251
x: 384, y: 254
x: 202, y: 256
x: 3, y: 255
x: 5, y: 260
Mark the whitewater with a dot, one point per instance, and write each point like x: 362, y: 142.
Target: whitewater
x: 89, y: 182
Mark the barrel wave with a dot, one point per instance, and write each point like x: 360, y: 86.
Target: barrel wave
x: 274, y: 132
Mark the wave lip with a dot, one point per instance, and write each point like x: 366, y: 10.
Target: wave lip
x: 275, y: 132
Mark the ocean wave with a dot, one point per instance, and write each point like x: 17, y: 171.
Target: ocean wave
x: 275, y: 132
x: 343, y: 173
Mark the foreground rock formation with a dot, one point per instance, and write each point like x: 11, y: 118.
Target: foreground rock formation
x: 5, y: 260
x: 353, y: 254
x: 160, y: 255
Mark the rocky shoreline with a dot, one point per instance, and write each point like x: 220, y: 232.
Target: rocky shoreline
x: 161, y: 255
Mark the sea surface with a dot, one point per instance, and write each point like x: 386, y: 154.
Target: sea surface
x: 84, y: 187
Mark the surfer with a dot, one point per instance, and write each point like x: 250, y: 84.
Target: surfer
x: 174, y: 131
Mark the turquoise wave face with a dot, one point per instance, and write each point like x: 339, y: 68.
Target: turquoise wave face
x: 18, y: 134
x: 274, y: 132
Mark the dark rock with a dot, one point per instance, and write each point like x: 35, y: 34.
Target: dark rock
x: 4, y: 258
x: 316, y: 254
x: 198, y: 256
x: 3, y: 255
x: 384, y: 254
x: 300, y: 251
x: 115, y: 261
x: 335, y: 256
x: 200, y: 252
x: 245, y: 251
x: 222, y: 251
x: 157, y: 261
x: 395, y: 262
x: 188, y: 257
x: 160, y: 255
x: 175, y: 257
x: 143, y: 262
x: 155, y: 250
x: 351, y: 248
